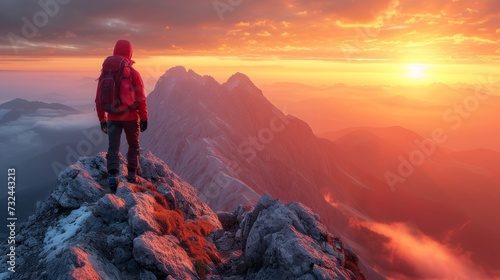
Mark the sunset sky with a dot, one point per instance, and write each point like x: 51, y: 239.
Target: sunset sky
x: 348, y: 68
x: 350, y: 41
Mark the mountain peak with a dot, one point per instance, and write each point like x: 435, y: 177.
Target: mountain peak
x: 158, y: 228
x: 177, y: 70
x: 180, y: 73
x: 241, y: 80
x: 236, y: 80
x: 238, y: 76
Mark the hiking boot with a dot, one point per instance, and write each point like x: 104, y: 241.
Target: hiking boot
x: 131, y: 178
x: 113, y: 183
x: 131, y: 175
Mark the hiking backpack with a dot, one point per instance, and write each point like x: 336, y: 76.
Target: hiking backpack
x: 117, y: 95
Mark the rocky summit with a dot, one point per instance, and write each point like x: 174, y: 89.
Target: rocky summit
x: 158, y: 228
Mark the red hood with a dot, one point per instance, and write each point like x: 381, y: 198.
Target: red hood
x: 123, y: 48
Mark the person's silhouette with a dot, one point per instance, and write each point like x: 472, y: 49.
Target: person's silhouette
x: 131, y: 118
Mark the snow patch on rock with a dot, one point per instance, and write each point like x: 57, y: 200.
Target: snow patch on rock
x: 56, y: 237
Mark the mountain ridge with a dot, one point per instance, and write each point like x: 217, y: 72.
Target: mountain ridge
x: 242, y: 147
x: 159, y: 228
x: 242, y: 144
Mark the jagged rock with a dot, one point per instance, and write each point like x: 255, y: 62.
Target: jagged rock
x: 175, y: 190
x: 264, y: 202
x: 159, y: 229
x: 153, y: 169
x: 226, y: 242
x: 81, y: 232
x: 149, y: 250
x: 81, y: 263
x: 123, y: 191
x: 309, y: 220
x: 111, y: 208
x: 77, y: 186
x: 141, y: 206
x: 147, y: 275
x: 321, y: 273
x: 169, y: 195
x: 294, y: 251
x: 271, y: 216
x: 120, y: 244
x: 229, y: 221
x: 281, y: 242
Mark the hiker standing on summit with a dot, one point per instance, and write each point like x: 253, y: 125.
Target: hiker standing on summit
x: 121, y: 106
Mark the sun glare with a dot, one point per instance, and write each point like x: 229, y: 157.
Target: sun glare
x: 416, y: 71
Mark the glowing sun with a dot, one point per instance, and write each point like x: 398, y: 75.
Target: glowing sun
x: 416, y: 71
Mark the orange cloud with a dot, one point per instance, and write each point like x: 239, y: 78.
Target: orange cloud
x: 300, y: 29
x: 430, y: 258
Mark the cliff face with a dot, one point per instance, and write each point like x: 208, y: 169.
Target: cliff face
x: 158, y: 228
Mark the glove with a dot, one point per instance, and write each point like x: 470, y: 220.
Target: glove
x: 143, y: 125
x: 104, y: 127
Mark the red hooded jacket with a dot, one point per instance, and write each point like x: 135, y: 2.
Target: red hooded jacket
x: 124, y: 48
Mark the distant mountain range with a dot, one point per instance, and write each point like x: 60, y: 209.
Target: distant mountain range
x: 232, y: 145
x: 468, y: 113
x: 23, y: 104
x: 19, y: 107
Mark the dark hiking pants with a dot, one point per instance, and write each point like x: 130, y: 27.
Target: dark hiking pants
x: 115, y: 129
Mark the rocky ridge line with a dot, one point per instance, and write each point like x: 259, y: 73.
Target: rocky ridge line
x: 160, y: 229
